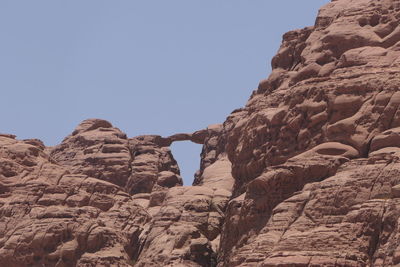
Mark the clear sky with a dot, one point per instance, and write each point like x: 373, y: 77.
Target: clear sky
x: 148, y: 66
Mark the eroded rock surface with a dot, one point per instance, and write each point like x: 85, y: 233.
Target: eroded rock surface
x: 50, y: 215
x: 306, y: 174
x: 314, y: 152
x: 102, y: 199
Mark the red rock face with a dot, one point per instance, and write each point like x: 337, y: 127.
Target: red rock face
x: 314, y: 151
x: 306, y: 174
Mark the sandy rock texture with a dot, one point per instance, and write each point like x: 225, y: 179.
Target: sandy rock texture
x: 306, y: 174
x: 52, y: 215
x: 103, y: 199
x: 314, y: 151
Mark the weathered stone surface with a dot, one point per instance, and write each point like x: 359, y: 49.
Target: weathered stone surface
x: 350, y: 218
x: 102, y: 199
x: 51, y: 216
x: 182, y: 232
x: 324, y: 125
x: 306, y: 174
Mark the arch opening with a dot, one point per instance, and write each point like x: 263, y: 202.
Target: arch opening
x: 187, y: 155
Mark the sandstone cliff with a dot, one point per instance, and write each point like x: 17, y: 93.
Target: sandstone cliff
x: 306, y: 174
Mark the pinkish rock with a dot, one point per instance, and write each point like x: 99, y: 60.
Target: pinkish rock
x: 306, y: 174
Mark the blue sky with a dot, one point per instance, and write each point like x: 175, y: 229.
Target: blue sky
x: 149, y: 66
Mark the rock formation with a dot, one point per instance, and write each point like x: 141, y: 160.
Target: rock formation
x: 306, y: 174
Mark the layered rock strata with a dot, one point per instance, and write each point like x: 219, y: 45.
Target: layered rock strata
x: 306, y: 174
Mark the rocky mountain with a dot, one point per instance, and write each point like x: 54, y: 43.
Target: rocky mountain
x: 306, y: 174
